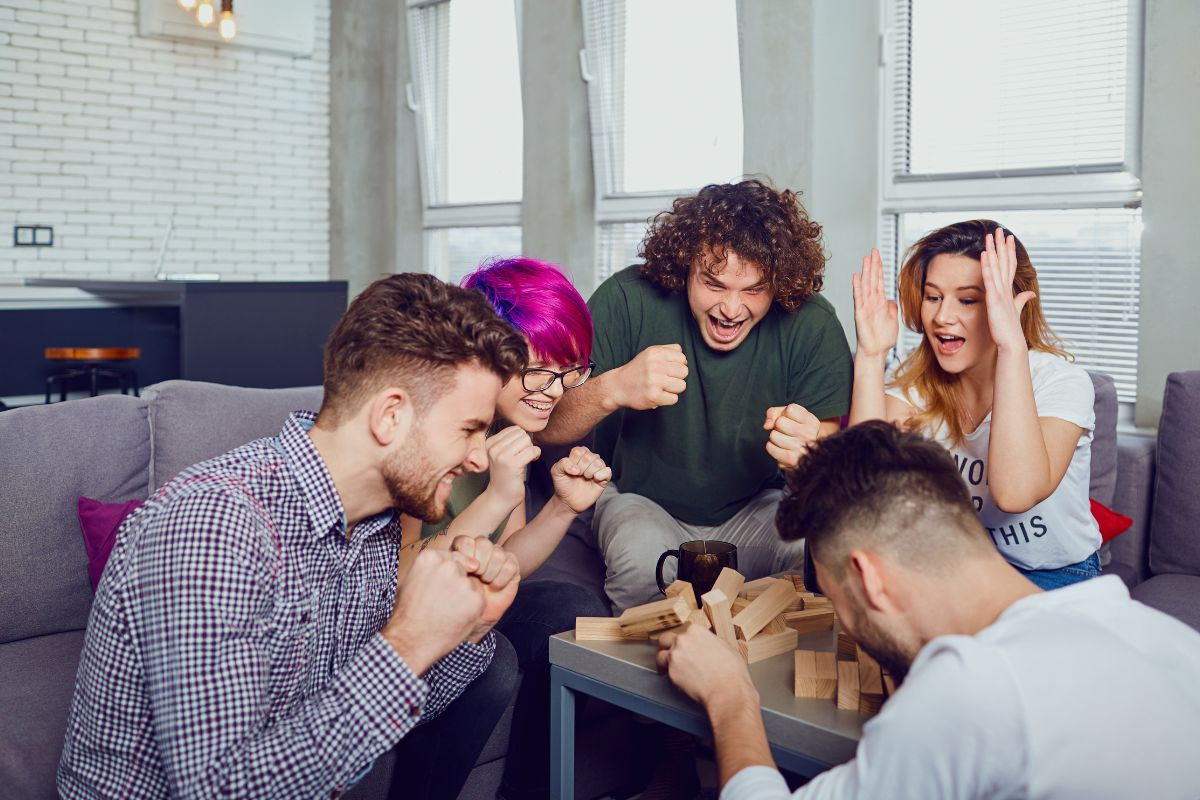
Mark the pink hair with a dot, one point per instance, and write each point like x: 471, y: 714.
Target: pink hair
x: 539, y: 301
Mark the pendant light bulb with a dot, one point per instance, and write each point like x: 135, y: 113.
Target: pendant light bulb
x: 227, y: 26
x: 187, y: 5
x: 205, y: 13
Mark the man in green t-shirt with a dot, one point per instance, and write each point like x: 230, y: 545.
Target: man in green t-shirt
x: 716, y: 363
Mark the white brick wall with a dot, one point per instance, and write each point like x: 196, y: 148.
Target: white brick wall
x: 106, y: 135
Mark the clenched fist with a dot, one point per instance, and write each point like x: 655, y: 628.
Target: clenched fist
x: 509, y: 452
x: 579, y: 478
x: 496, y: 575
x: 655, y: 377
x: 792, y: 429
x: 437, y: 607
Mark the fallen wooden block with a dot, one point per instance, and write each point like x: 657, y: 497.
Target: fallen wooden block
x: 695, y: 618
x: 756, y: 587
x: 738, y: 605
x: 770, y: 604
x: 798, y: 581
x: 777, y: 625
x: 847, y: 687
x: 729, y: 582
x: 807, y: 621
x: 766, y: 645
x: 870, y: 683
x: 683, y: 589
x: 716, y: 606
x: 698, y: 617
x: 603, y: 629
x: 816, y: 675
x: 889, y: 684
x: 669, y: 612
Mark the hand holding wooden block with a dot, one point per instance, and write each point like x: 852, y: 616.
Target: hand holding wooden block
x: 816, y: 675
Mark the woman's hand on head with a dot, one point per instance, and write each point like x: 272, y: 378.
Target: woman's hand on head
x: 876, y: 318
x: 999, y: 265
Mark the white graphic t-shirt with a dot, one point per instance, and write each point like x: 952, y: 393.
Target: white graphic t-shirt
x: 1060, y: 530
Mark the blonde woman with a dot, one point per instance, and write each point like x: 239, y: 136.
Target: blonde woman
x: 990, y: 383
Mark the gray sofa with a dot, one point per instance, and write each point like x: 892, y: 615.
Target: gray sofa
x: 114, y: 448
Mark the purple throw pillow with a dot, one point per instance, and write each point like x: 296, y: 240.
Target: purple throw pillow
x: 99, y: 522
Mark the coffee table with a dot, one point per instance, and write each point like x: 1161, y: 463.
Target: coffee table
x: 806, y: 736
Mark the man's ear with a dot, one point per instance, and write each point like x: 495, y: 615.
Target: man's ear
x: 870, y: 576
x: 391, y: 415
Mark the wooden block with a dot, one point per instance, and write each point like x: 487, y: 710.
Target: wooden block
x: 695, y: 618
x: 738, y: 605
x: 770, y: 604
x: 847, y: 648
x: 603, y: 629
x: 683, y: 589
x: 889, y: 684
x: 798, y: 581
x: 729, y: 583
x: 870, y: 683
x: 777, y: 625
x: 847, y: 688
x: 716, y: 606
x: 754, y: 588
x: 670, y: 612
x: 809, y: 621
x: 766, y: 645
x: 816, y: 675
x: 818, y: 602
x: 698, y: 617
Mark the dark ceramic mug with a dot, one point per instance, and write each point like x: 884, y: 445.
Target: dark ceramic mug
x: 700, y: 562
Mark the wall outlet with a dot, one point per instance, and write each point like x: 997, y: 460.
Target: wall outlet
x: 33, y: 236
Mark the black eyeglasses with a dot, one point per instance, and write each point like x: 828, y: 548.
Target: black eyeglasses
x: 539, y: 380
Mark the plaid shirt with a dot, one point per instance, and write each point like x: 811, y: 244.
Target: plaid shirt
x: 233, y: 648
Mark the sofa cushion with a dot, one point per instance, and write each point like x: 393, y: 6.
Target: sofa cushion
x: 99, y: 523
x: 193, y: 421
x: 1104, y: 440
x: 49, y: 456
x: 1177, y: 595
x: 1174, y: 542
x: 37, y: 678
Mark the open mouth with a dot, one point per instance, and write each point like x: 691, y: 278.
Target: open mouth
x: 722, y: 330
x: 948, y: 345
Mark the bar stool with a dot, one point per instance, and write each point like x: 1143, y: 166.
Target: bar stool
x: 93, y: 363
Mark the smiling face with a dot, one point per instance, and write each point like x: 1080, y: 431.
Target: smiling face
x: 531, y: 410
x: 446, y: 441
x: 728, y: 299
x: 953, y: 313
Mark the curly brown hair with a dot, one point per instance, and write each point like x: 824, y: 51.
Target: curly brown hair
x: 753, y: 219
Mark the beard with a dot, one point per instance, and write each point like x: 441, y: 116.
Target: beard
x: 412, y: 492
x: 885, y: 648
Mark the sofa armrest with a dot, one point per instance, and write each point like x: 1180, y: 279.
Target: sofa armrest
x: 1128, y: 553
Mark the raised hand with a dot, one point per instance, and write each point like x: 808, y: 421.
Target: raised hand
x: 999, y: 263
x: 876, y: 318
x: 579, y: 478
x: 437, y: 606
x: 509, y: 452
x: 655, y: 377
x: 792, y: 429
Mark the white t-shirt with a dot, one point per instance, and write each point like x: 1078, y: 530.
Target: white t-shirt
x: 1076, y: 693
x: 1060, y: 530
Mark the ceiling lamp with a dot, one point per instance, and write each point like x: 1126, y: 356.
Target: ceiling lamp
x: 187, y: 5
x: 228, y: 25
x: 205, y: 13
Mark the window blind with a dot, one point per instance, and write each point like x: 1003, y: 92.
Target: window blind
x: 454, y: 253
x: 1029, y: 88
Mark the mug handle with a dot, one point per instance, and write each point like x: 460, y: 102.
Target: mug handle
x: 662, y: 587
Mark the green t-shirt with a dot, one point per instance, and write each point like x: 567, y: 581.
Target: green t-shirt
x: 463, y: 492
x: 705, y: 457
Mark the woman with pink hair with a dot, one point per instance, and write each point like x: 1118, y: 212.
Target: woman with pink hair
x: 539, y: 301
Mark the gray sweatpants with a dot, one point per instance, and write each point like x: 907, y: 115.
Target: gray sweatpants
x: 633, y: 532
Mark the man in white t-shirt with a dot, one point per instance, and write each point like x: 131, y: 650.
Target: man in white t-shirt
x: 1010, y: 691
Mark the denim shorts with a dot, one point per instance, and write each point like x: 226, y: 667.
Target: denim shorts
x: 1064, y: 576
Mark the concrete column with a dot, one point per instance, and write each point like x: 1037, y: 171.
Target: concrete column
x: 1170, y: 302
x: 375, y: 202
x: 558, y: 206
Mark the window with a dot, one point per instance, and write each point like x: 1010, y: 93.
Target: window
x: 665, y: 99
x: 470, y: 127
x: 1029, y: 117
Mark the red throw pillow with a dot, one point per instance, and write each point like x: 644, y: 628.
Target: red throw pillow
x: 1111, y: 523
x: 99, y: 522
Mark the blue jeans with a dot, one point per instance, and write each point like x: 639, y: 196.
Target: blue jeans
x: 1064, y: 576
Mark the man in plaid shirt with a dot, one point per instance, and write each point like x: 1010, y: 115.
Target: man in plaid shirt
x: 249, y: 638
